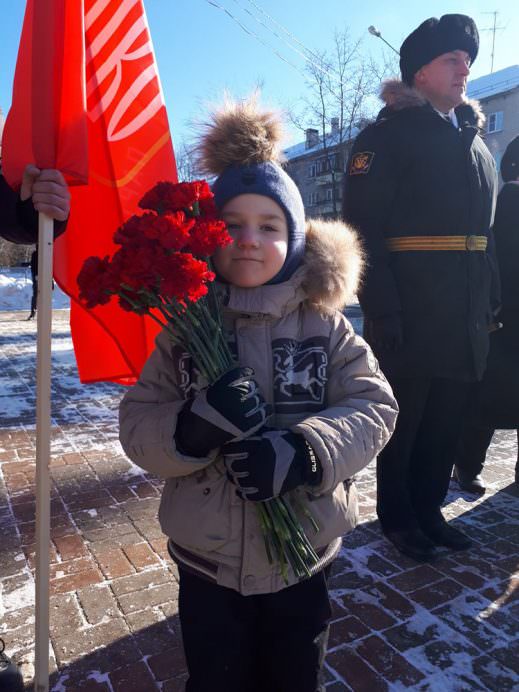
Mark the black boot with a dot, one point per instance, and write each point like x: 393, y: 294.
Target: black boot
x: 469, y: 482
x: 11, y: 679
x: 413, y: 543
x: 441, y: 533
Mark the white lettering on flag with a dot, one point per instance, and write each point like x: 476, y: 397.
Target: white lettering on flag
x: 123, y: 97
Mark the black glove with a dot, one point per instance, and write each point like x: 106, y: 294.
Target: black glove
x: 272, y: 463
x: 385, y: 332
x: 229, y: 409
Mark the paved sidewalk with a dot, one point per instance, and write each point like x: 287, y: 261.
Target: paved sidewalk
x: 448, y: 626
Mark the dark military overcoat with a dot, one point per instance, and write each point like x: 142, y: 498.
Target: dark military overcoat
x: 497, y: 400
x: 413, y: 175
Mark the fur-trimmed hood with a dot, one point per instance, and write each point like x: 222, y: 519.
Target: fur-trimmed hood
x: 398, y: 96
x: 328, y: 278
x: 333, y: 265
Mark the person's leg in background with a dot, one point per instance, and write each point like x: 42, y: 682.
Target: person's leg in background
x: 470, y: 456
x: 517, y: 462
x: 394, y: 506
x: 34, y: 298
x: 433, y: 459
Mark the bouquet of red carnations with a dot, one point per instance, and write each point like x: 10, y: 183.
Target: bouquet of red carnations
x: 162, y: 269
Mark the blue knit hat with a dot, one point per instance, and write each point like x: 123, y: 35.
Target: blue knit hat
x: 240, y: 146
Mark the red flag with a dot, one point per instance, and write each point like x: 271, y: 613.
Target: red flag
x: 129, y: 150
x: 42, y: 127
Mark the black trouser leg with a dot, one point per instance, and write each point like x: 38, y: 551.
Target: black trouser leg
x: 34, y: 297
x: 294, y: 636
x: 235, y: 643
x: 435, y: 446
x: 219, y: 635
x: 394, y: 505
x: 472, y: 448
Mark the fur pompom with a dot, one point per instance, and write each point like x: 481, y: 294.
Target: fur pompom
x: 239, y: 133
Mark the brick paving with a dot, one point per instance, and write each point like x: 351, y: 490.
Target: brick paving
x: 450, y: 625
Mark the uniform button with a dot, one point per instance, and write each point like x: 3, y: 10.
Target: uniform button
x: 249, y: 580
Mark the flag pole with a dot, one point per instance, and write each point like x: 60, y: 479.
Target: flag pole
x: 43, y: 427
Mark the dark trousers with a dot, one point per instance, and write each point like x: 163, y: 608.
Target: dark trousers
x: 473, y: 447
x: 266, y: 643
x: 414, y: 469
x: 34, y: 297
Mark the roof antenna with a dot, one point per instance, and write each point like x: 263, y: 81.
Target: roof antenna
x: 493, y: 29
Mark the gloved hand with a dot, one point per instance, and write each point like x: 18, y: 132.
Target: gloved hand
x: 271, y: 463
x: 229, y: 409
x: 385, y: 332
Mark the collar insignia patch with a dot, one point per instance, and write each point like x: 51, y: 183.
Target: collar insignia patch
x: 361, y: 162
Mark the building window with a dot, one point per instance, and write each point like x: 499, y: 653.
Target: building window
x: 313, y: 199
x: 311, y: 171
x: 495, y: 122
x: 329, y: 195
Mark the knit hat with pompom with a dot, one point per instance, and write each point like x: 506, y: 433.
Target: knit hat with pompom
x: 241, y: 146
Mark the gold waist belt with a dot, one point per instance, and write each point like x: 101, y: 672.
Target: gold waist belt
x: 442, y: 242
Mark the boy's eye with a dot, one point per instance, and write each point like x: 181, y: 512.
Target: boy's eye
x: 233, y: 227
x: 269, y: 229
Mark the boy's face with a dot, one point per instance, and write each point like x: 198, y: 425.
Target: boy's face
x: 259, y: 228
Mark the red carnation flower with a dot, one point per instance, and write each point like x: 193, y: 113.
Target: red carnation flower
x: 137, y: 270
x: 204, y: 191
x: 207, y: 208
x: 207, y: 236
x: 170, y: 197
x: 95, y: 282
x: 134, y: 229
x: 169, y: 230
x: 173, y: 230
x: 186, y: 278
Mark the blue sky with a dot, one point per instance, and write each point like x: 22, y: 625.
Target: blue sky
x: 201, y: 51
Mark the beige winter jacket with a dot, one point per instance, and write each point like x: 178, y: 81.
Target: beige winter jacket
x: 324, y: 383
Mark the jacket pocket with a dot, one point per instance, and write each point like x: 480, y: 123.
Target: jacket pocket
x: 195, y: 510
x: 336, y: 513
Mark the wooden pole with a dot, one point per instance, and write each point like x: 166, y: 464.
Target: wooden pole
x: 43, y: 426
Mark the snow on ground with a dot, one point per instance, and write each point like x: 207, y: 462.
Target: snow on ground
x: 16, y: 290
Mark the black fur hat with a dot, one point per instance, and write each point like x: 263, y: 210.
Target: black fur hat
x: 435, y: 37
x: 510, y: 161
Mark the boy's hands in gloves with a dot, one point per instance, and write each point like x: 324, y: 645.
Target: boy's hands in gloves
x: 230, y: 409
x: 270, y: 464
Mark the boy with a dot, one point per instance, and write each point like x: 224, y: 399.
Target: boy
x: 243, y: 627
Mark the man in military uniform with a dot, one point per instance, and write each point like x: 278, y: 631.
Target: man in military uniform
x: 420, y: 187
